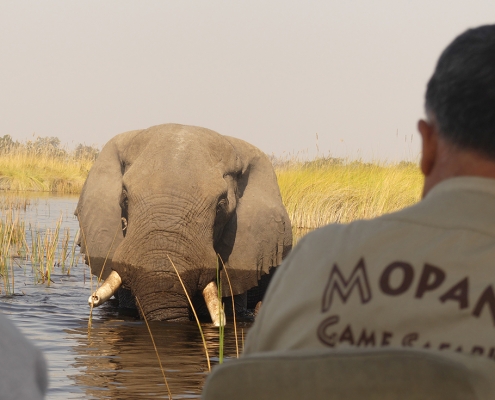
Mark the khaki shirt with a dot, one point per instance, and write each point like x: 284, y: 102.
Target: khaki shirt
x: 421, y: 278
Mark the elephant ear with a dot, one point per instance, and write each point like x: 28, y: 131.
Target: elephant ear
x: 259, y: 234
x: 98, y: 210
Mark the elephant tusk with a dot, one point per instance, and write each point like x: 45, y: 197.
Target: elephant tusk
x: 214, y: 304
x: 105, y: 291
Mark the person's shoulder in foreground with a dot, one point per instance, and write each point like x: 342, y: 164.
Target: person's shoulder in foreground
x: 24, y: 375
x: 423, y: 277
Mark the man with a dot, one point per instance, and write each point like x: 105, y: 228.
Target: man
x: 420, y: 278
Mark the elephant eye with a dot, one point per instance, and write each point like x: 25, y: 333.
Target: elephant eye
x: 222, y: 205
x: 124, y: 200
x: 124, y: 214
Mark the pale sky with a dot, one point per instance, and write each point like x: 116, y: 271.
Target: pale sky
x: 274, y: 73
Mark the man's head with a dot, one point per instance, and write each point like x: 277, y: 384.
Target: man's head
x: 460, y: 104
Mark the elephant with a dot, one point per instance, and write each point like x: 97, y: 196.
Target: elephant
x: 176, y: 201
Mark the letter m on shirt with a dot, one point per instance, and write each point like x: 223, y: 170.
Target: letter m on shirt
x: 338, y: 284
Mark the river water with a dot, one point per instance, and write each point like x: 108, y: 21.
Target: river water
x: 115, y: 359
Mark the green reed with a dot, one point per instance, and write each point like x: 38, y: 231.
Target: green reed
x: 73, y: 257
x: 44, y: 250
x: 233, y: 308
x: 194, y: 312
x: 12, y: 230
x: 221, y: 327
x: 62, y: 255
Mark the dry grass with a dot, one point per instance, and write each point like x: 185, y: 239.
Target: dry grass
x: 43, y: 167
x: 323, y: 191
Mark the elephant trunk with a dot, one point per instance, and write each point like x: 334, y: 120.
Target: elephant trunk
x: 162, y: 296
x: 105, y: 291
x: 154, y: 254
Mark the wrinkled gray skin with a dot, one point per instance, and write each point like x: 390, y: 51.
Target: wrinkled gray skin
x: 186, y: 193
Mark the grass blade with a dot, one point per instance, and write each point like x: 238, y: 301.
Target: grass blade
x: 156, y: 350
x: 233, y: 308
x: 194, y: 312
x: 221, y: 327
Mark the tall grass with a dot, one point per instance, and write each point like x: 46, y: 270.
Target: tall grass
x: 44, y: 166
x: 331, y: 190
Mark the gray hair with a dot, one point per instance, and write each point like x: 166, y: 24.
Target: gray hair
x: 461, y: 92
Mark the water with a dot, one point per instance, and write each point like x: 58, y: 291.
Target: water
x: 116, y: 360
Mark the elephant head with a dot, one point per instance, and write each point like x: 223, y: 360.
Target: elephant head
x: 187, y: 195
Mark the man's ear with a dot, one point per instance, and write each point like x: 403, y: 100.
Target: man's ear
x: 429, y: 135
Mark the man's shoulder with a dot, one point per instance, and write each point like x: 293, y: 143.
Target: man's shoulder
x: 358, y: 227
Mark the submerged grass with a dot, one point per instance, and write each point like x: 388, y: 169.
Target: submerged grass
x: 11, y: 239
x: 43, y: 251
x: 14, y: 201
x: 20, y: 244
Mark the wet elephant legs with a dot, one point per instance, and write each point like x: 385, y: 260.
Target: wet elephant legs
x: 126, y: 299
x: 240, y: 304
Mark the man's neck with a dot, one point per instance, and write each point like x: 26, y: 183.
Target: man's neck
x: 452, y: 162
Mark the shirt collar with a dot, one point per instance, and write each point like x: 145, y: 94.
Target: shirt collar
x: 464, y: 183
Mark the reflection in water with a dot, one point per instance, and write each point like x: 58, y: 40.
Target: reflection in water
x: 118, y: 360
